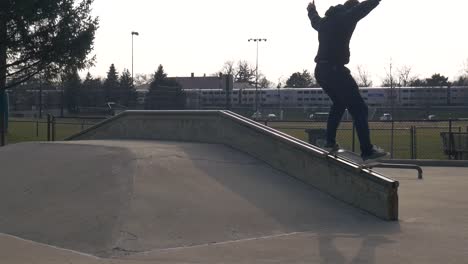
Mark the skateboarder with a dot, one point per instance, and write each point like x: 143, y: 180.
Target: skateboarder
x: 335, y: 30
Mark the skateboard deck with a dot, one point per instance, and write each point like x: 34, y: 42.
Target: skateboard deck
x: 371, y: 164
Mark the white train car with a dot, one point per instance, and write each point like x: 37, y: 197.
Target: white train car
x: 316, y: 97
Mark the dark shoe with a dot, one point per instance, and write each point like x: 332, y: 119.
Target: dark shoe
x: 375, y: 154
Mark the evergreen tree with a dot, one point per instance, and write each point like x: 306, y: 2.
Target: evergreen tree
x: 42, y: 36
x: 85, y: 95
x: 111, y: 85
x: 47, y: 36
x: 159, y: 78
x: 128, y: 94
x: 72, y: 86
x: 300, y: 80
x: 418, y: 83
x: 437, y: 80
x: 92, y: 92
x: 164, y: 93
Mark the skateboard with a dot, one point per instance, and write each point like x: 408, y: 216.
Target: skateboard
x: 355, y: 158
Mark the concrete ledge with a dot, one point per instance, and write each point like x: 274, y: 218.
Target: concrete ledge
x: 431, y: 163
x: 343, y: 180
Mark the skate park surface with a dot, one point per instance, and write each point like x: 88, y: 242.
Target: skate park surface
x: 157, y: 201
x: 250, y: 213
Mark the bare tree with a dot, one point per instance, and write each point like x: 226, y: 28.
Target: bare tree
x: 228, y: 68
x: 465, y: 68
x: 364, y: 79
x: 390, y: 78
x: 263, y: 82
x: 463, y: 79
x: 281, y: 82
x: 244, y: 73
x: 390, y: 81
x: 405, y: 77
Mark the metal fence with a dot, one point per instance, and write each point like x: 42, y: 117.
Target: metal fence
x: 49, y: 129
x: 404, y: 139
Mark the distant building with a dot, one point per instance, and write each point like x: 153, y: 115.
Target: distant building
x: 197, y: 83
x: 222, y: 82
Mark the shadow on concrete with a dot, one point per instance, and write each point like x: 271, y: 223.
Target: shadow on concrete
x: 330, y: 254
x: 296, y: 206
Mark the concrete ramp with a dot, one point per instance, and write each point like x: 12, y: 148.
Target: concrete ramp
x: 115, y: 198
x: 343, y: 180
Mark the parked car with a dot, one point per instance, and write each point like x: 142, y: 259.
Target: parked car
x: 386, y: 117
x: 257, y: 115
x: 272, y: 117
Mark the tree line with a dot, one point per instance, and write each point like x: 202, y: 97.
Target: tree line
x: 94, y: 92
x: 77, y: 94
x: 400, y: 77
x: 404, y: 77
x: 166, y: 93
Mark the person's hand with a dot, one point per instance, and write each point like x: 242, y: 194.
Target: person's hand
x: 311, y: 6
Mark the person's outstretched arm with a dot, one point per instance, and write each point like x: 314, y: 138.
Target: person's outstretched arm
x: 363, y: 9
x: 314, y: 17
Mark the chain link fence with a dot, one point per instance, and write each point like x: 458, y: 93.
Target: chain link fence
x: 403, y: 139
x: 50, y: 129
x: 441, y: 139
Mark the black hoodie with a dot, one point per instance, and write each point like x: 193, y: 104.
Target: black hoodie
x: 336, y: 29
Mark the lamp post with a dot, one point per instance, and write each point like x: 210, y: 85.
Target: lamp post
x: 392, y: 88
x: 257, y: 40
x: 134, y: 33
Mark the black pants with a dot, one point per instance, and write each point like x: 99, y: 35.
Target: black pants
x: 337, y: 82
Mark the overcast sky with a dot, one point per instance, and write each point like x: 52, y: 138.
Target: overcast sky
x: 198, y: 36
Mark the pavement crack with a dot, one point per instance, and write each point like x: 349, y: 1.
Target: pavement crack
x: 125, y: 251
x: 277, y: 236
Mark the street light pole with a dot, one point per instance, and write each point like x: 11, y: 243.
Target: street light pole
x: 392, y: 89
x: 257, y: 40
x: 133, y: 34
